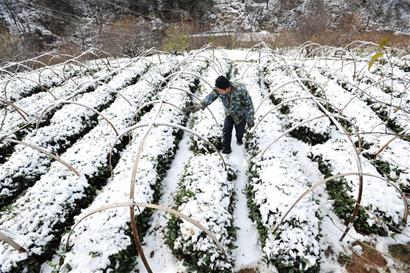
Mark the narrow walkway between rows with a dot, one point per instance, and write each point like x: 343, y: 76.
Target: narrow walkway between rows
x: 248, y: 253
x: 158, y: 254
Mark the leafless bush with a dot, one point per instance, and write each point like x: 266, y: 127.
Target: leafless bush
x: 128, y: 36
x: 9, y: 45
x: 284, y: 39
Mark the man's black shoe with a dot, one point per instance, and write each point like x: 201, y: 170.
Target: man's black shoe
x: 239, y: 142
x: 226, y: 151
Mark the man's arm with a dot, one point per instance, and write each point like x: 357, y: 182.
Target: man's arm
x: 210, y: 98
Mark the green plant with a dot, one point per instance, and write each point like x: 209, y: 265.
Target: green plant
x: 379, y: 53
x: 344, y: 204
x: 176, y: 39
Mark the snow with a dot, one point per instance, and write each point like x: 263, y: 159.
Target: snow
x: 60, y: 197
x: 266, y: 185
x: 248, y: 252
x: 160, y: 142
x: 162, y: 260
x: 66, y: 124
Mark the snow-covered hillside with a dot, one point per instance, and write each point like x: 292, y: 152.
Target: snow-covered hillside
x: 98, y: 156
x: 83, y: 21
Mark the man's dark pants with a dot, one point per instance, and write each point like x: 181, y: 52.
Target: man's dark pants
x: 227, y: 131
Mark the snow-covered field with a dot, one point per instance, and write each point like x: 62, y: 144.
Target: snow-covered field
x: 87, y: 151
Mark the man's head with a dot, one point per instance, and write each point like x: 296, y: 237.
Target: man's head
x: 223, y: 85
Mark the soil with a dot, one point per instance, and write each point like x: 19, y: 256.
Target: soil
x: 247, y: 270
x: 401, y: 252
x: 371, y: 261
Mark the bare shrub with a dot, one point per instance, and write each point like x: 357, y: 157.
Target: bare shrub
x: 285, y: 38
x: 396, y: 40
x: 70, y: 48
x: 128, y: 36
x: 9, y: 46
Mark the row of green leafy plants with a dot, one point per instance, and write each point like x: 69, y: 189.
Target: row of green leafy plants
x: 391, y: 121
x: 71, y: 122
x: 275, y: 180
x: 205, y: 193
x: 338, y: 156
x: 12, y: 121
x: 112, y: 227
x: 39, y: 217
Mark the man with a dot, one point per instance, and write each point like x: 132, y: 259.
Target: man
x: 238, y: 109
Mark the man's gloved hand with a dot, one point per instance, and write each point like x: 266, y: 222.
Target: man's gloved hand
x: 193, y: 108
x: 250, y: 124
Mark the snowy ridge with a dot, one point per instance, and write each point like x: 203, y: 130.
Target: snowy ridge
x: 378, y: 91
x: 362, y: 116
x: 207, y: 198
x: 296, y: 242
x: 316, y: 131
x: 157, y: 153
x: 202, y: 122
x: 34, y: 104
x: 59, y: 193
x: 379, y: 213
x: 27, y: 164
x: 24, y: 84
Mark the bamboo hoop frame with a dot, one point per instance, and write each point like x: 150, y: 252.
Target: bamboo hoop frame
x: 44, y: 151
x: 287, y: 83
x: 199, y: 99
x: 323, y: 181
x: 133, y: 204
x: 20, y: 111
x: 354, y: 150
x: 280, y: 105
x: 12, y: 243
x: 176, y: 126
x: 82, y: 105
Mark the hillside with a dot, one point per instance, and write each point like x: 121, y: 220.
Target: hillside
x: 90, y: 23
x: 89, y: 149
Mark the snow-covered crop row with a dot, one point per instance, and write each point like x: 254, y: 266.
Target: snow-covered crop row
x: 113, y: 248
x: 39, y: 217
x: 296, y: 106
x: 380, y: 96
x: 28, y: 83
x: 203, y: 122
x: 69, y: 123
x: 377, y: 215
x: 34, y: 104
x: 207, y: 197
x: 275, y: 181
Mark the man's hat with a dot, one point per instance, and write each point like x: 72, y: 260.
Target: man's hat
x: 222, y: 82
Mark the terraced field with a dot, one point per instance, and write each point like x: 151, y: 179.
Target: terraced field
x: 102, y: 171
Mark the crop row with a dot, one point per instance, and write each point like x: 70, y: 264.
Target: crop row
x: 71, y: 122
x: 41, y: 215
